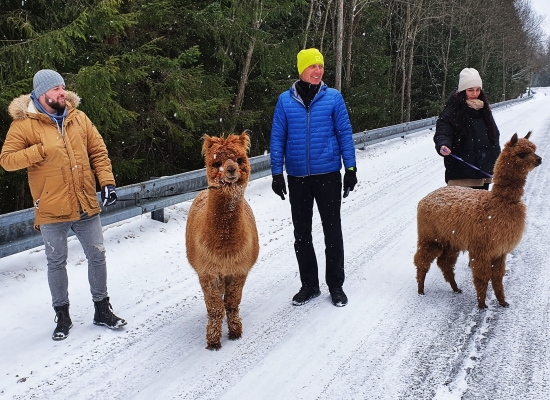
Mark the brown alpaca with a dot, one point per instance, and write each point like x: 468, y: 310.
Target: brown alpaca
x: 487, y: 224
x: 221, y: 237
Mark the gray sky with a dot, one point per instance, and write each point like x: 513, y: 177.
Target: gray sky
x: 542, y: 7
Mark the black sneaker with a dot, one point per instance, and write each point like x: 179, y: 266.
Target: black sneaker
x: 305, y: 294
x: 64, y: 323
x: 104, y: 315
x: 339, y: 298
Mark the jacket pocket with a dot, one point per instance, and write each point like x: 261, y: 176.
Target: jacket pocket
x: 54, y: 199
x: 89, y: 187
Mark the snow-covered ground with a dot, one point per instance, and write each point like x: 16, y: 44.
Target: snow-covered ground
x: 388, y: 343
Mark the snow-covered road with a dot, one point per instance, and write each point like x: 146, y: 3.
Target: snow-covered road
x: 388, y: 343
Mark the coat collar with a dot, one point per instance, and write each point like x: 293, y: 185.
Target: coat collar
x: 22, y: 107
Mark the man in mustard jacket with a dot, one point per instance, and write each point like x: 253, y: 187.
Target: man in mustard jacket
x: 63, y: 153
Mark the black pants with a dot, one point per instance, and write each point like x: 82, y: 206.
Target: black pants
x: 326, y: 190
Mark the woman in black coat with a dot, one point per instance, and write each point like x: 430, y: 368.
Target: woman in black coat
x: 467, y: 129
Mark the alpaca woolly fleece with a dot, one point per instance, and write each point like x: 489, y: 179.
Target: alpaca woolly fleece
x: 486, y: 224
x: 221, y: 235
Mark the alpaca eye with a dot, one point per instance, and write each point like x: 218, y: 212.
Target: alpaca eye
x: 217, y: 164
x: 522, y: 155
x: 240, y: 161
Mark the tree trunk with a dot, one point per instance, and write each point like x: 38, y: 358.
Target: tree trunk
x: 410, y: 70
x: 241, y: 85
x: 503, y: 73
x: 349, y: 37
x: 306, y: 31
x: 404, y: 60
x: 446, y: 58
x: 244, y: 76
x: 339, y: 39
x: 327, y: 12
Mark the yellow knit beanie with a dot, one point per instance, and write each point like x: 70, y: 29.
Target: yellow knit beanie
x: 309, y: 57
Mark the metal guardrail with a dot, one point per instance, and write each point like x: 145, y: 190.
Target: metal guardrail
x: 17, y: 232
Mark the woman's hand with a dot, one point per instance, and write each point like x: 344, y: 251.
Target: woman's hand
x: 445, y: 151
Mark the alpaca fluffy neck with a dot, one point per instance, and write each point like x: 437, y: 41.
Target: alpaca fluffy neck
x: 225, y: 207
x: 509, y: 188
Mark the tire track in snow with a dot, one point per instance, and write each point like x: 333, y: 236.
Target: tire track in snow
x: 470, y: 338
x: 261, y: 339
x: 525, y: 359
x: 465, y: 370
x: 418, y: 344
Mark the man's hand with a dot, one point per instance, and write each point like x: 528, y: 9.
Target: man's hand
x: 350, y: 180
x: 108, y: 195
x: 279, y: 186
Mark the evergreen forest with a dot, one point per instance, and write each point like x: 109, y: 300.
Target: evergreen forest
x: 156, y: 75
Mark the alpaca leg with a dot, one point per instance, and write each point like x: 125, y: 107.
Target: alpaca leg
x: 213, y: 287
x: 426, y: 252
x: 446, y: 262
x: 499, y: 269
x: 481, y: 272
x: 233, y: 294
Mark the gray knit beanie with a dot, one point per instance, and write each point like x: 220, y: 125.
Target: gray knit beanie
x: 469, y: 78
x: 44, y: 80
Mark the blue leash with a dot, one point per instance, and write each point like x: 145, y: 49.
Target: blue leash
x: 472, y: 166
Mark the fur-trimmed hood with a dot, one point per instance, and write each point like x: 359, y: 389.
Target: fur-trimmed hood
x: 21, y: 106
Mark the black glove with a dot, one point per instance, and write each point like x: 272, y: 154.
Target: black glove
x: 350, y: 180
x: 108, y: 195
x: 278, y: 185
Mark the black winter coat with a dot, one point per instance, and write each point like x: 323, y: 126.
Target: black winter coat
x: 471, y: 135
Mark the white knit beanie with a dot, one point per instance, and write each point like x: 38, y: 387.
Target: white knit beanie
x: 46, y: 79
x: 469, y: 77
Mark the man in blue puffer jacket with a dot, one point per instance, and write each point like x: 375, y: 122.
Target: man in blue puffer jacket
x: 310, y: 136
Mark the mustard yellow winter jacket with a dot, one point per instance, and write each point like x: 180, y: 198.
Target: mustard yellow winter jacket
x: 61, y: 167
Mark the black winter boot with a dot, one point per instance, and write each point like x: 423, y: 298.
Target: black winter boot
x: 104, y: 315
x: 64, y: 322
x: 305, y: 294
x: 339, y: 298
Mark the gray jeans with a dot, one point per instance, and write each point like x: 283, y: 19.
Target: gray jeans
x: 89, y: 233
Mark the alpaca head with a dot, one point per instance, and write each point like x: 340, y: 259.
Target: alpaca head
x: 516, y: 160
x: 227, y: 164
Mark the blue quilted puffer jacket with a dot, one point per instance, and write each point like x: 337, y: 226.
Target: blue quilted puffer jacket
x: 314, y: 142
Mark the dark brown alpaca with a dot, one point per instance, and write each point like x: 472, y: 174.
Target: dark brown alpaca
x: 221, y: 237
x: 487, y: 224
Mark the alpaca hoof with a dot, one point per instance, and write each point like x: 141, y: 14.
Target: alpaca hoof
x: 214, y: 346
x: 457, y: 290
x: 234, y: 336
x: 503, y: 304
x: 481, y: 306
x: 421, y: 293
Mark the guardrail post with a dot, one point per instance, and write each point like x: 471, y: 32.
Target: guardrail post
x: 157, y: 215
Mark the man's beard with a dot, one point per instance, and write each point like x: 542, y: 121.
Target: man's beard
x: 56, y: 105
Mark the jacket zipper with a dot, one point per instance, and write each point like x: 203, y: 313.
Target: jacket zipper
x: 298, y: 99
x: 307, y: 141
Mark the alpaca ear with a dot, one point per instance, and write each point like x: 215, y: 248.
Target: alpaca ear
x: 245, y: 139
x: 514, y: 139
x: 528, y: 134
x: 208, y: 142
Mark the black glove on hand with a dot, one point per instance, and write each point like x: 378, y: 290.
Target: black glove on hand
x: 278, y: 185
x: 108, y: 195
x: 350, y: 180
